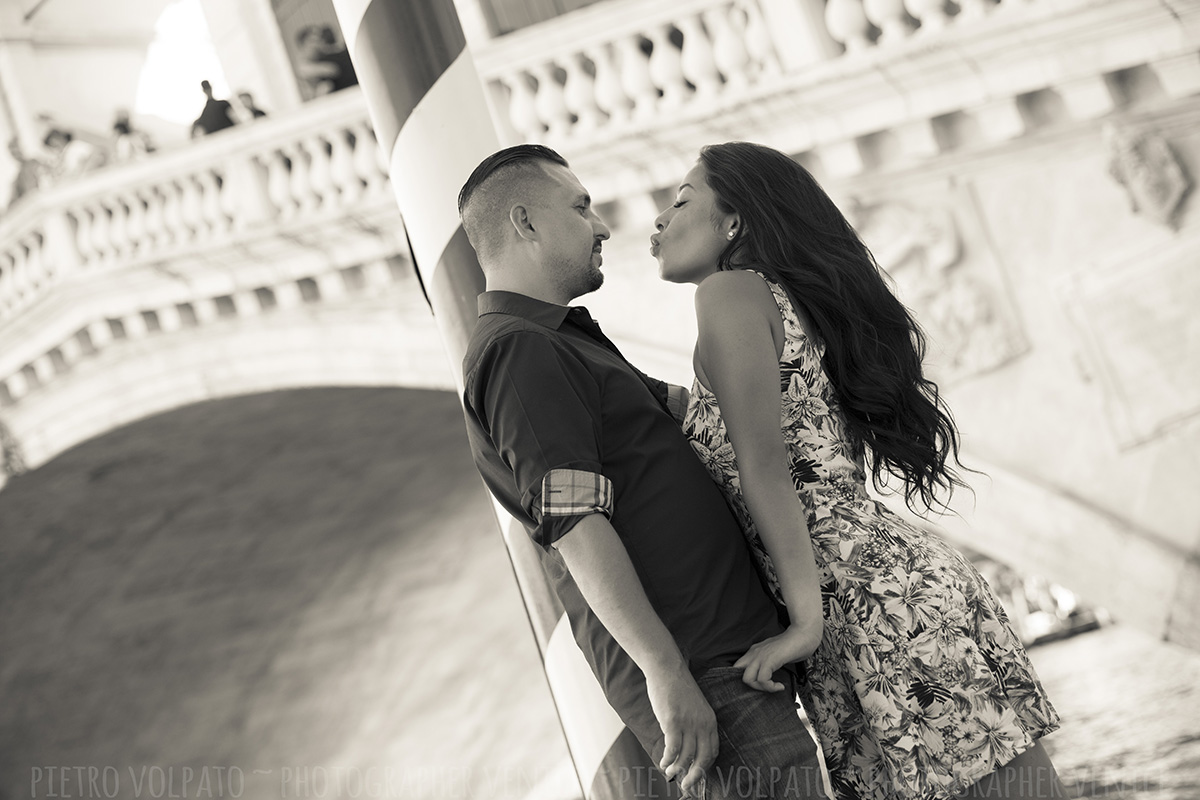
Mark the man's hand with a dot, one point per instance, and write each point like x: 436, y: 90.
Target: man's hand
x: 689, y: 728
x: 764, y: 658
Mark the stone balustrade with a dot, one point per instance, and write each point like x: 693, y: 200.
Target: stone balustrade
x: 280, y: 214
x: 629, y: 89
x: 319, y: 163
x: 594, y: 72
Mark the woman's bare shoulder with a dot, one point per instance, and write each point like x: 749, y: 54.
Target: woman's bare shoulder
x: 739, y: 289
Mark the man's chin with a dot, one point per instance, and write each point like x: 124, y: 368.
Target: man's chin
x: 593, y: 282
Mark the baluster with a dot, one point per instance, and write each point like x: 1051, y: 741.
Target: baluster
x: 891, y: 18
x: 279, y: 183
x: 974, y: 9
x: 135, y: 223
x: 635, y: 75
x: 34, y: 262
x: 366, y: 159
x: 319, y: 179
x: 341, y: 169
x: 21, y: 290
x: 245, y: 199
x: 83, y: 235
x: 58, y: 244
x: 175, y: 232
x: 522, y: 107
x: 157, y: 234
x: 579, y: 93
x: 666, y: 67
x: 729, y: 52
x: 118, y: 230
x: 211, y: 211
x: 100, y: 239
x: 757, y: 36
x: 610, y: 95
x: 550, y: 103
x: 190, y: 210
x: 930, y: 13
x: 300, y: 184
x: 847, y: 23
x: 8, y: 293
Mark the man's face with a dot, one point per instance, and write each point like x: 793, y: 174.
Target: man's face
x: 571, y: 234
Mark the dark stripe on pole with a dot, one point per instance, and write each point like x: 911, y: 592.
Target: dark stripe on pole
x: 407, y: 45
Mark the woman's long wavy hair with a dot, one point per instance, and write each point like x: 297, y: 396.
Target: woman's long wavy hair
x: 794, y: 233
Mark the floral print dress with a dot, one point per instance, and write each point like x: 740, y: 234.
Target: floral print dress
x: 920, y: 686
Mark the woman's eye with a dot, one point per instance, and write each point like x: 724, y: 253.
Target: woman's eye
x: 678, y: 203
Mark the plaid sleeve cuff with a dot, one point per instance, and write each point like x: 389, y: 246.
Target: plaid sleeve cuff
x: 677, y: 400
x: 571, y: 492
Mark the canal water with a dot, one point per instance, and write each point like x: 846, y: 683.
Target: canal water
x: 1130, y: 708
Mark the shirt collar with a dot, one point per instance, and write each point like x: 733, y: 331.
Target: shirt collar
x: 525, y: 307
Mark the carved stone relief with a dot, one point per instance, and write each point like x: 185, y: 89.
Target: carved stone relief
x: 921, y: 249
x: 1150, y: 173
x: 1139, y: 332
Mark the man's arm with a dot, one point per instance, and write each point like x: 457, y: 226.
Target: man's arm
x: 600, y: 565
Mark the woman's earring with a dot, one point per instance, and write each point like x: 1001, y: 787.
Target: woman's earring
x: 731, y: 234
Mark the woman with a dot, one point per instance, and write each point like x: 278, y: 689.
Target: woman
x: 916, y: 683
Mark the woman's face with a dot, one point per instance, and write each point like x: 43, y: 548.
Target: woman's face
x: 691, y: 233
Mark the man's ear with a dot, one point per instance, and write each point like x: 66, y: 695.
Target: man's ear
x: 518, y: 215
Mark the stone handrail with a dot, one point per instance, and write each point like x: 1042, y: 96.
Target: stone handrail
x: 629, y: 89
x: 625, y: 60
x: 316, y: 163
x: 628, y: 60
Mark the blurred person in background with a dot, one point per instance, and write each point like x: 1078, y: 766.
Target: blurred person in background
x: 70, y: 155
x: 129, y: 142
x: 30, y: 172
x: 247, y: 108
x: 217, y: 115
x: 324, y: 60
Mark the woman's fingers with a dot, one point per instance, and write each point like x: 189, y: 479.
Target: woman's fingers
x: 760, y: 668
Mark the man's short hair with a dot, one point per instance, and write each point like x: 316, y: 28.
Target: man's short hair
x: 483, y: 202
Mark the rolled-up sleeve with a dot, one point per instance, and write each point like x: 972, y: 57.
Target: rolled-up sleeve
x: 540, y: 406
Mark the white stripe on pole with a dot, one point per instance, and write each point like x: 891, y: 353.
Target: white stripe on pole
x: 436, y: 151
x: 588, y: 720
x: 351, y: 10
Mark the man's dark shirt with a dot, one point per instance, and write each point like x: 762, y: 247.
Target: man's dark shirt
x: 561, y: 426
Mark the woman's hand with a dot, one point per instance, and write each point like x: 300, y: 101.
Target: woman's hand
x: 764, y: 658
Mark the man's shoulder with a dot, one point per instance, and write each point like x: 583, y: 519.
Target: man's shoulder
x: 495, y: 332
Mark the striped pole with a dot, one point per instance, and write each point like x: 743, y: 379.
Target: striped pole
x: 432, y: 121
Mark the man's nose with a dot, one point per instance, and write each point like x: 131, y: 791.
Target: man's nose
x: 599, y: 228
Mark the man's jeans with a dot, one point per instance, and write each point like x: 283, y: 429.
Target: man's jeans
x: 766, y: 752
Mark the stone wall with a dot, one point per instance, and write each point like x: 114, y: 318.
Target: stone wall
x: 1056, y: 277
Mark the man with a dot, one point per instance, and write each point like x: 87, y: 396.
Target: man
x: 217, y: 115
x: 583, y: 449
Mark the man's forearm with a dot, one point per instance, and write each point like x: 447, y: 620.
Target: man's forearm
x: 602, y: 570
x: 600, y: 565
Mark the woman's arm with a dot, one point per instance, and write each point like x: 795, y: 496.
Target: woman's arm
x: 740, y: 331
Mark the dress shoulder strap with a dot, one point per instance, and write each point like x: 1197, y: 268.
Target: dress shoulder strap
x: 792, y: 329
